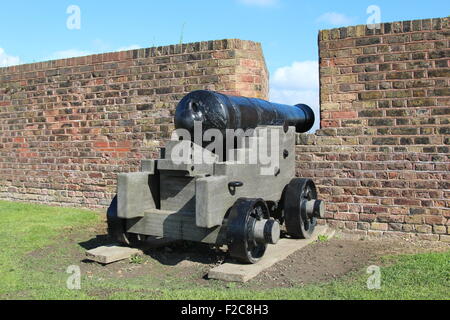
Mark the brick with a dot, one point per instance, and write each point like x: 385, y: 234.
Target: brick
x: 442, y: 63
x: 440, y: 92
x: 404, y: 131
x: 435, y: 220
x: 368, y: 41
x: 370, y: 95
x: 439, y: 54
x: 369, y: 59
x: 395, y: 227
x: 385, y: 141
x: 381, y: 122
x: 414, y: 219
x: 421, y: 102
x: 424, y: 229
x: 428, y: 237
x: 370, y: 113
x: 398, y: 94
x: 399, y: 75
x: 330, y: 106
x: 396, y: 39
x: 440, y: 111
x: 441, y: 73
x: 346, y: 79
x: 379, y: 226
x: 363, y: 226
x: 344, y: 115
x: 371, y: 77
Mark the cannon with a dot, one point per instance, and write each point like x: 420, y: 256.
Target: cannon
x: 243, y: 195
x: 219, y: 111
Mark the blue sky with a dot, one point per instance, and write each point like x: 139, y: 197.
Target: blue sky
x: 32, y: 31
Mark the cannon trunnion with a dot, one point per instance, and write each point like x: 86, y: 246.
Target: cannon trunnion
x: 239, y: 200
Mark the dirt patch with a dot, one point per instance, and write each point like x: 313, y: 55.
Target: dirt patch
x: 178, y: 260
x: 181, y: 259
x: 186, y: 264
x: 326, y: 261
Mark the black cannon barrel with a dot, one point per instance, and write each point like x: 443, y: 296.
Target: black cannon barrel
x: 219, y: 111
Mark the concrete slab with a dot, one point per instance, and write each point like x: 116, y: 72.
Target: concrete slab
x: 231, y: 272
x: 111, y: 253
x: 115, y: 252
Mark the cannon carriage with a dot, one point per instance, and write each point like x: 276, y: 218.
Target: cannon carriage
x: 217, y: 190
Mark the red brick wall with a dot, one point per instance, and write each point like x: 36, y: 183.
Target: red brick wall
x: 381, y: 159
x: 69, y: 126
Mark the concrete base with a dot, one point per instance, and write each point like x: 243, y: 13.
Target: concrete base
x: 111, y: 253
x: 275, y: 253
x: 114, y: 252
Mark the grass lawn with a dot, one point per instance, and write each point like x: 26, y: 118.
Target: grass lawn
x: 25, y: 229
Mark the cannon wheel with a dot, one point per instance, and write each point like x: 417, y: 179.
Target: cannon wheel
x: 298, y: 224
x: 117, y: 227
x: 242, y: 217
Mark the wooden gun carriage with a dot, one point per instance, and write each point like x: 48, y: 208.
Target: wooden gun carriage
x: 230, y: 199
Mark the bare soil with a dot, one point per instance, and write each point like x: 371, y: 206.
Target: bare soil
x: 317, y: 263
x: 325, y: 261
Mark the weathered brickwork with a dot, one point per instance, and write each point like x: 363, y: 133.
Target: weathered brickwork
x: 69, y: 126
x: 382, y: 157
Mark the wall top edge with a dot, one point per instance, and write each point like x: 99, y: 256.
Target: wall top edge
x: 385, y: 28
x: 160, y: 51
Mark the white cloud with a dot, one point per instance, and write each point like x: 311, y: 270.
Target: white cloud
x: 299, y: 75
x: 259, y: 3
x: 335, y: 19
x: 297, y: 83
x: 7, y: 60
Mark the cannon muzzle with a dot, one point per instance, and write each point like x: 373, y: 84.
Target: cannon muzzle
x: 219, y: 111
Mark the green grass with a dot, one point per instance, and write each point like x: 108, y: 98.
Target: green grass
x: 322, y: 238
x: 136, y: 259
x: 410, y: 277
x: 25, y: 228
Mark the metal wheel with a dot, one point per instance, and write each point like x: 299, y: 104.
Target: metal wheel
x: 117, y: 227
x: 301, y: 208
x: 242, y: 245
